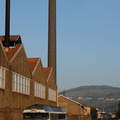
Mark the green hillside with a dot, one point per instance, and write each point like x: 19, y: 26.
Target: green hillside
x: 104, y: 97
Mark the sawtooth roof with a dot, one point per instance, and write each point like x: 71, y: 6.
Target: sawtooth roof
x: 47, y: 71
x: 12, y: 51
x: 14, y: 39
x: 33, y: 62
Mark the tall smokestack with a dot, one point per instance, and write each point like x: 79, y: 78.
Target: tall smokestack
x: 7, y: 24
x: 52, y: 36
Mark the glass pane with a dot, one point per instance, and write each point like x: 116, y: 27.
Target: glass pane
x: 36, y: 86
x: 13, y: 87
x: 23, y: 89
x: 23, y: 81
x: 13, y: 77
x: 17, y: 83
x: 3, y: 73
x: 20, y: 83
x: 3, y: 84
x: 26, y: 87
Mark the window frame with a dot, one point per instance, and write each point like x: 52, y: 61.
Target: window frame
x: 39, y: 90
x: 52, y: 94
x: 20, y: 83
x: 2, y: 77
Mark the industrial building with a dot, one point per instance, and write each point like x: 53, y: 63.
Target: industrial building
x: 23, y: 81
x: 75, y: 110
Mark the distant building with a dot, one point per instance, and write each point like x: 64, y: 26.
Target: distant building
x: 87, y: 111
x: 75, y: 110
x: 104, y: 115
x: 114, y: 115
x: 80, y: 98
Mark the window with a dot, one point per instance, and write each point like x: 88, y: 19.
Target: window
x: 39, y: 90
x: 52, y: 94
x: 2, y: 77
x: 20, y: 83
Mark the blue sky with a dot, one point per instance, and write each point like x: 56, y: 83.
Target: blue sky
x: 88, y: 38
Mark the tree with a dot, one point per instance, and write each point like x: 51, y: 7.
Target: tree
x: 118, y: 110
x: 93, y: 113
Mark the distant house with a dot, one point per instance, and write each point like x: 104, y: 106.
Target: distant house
x: 87, y: 111
x: 114, y: 115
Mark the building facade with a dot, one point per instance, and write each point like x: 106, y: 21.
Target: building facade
x: 75, y: 111
x: 23, y: 81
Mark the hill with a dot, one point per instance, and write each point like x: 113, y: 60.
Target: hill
x: 104, y: 97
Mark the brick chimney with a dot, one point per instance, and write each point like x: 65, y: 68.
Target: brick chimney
x: 7, y: 26
x: 52, y: 36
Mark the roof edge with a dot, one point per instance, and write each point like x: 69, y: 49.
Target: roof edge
x: 70, y: 99
x: 4, y: 52
x: 36, y: 65
x: 16, y: 53
x: 49, y: 73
